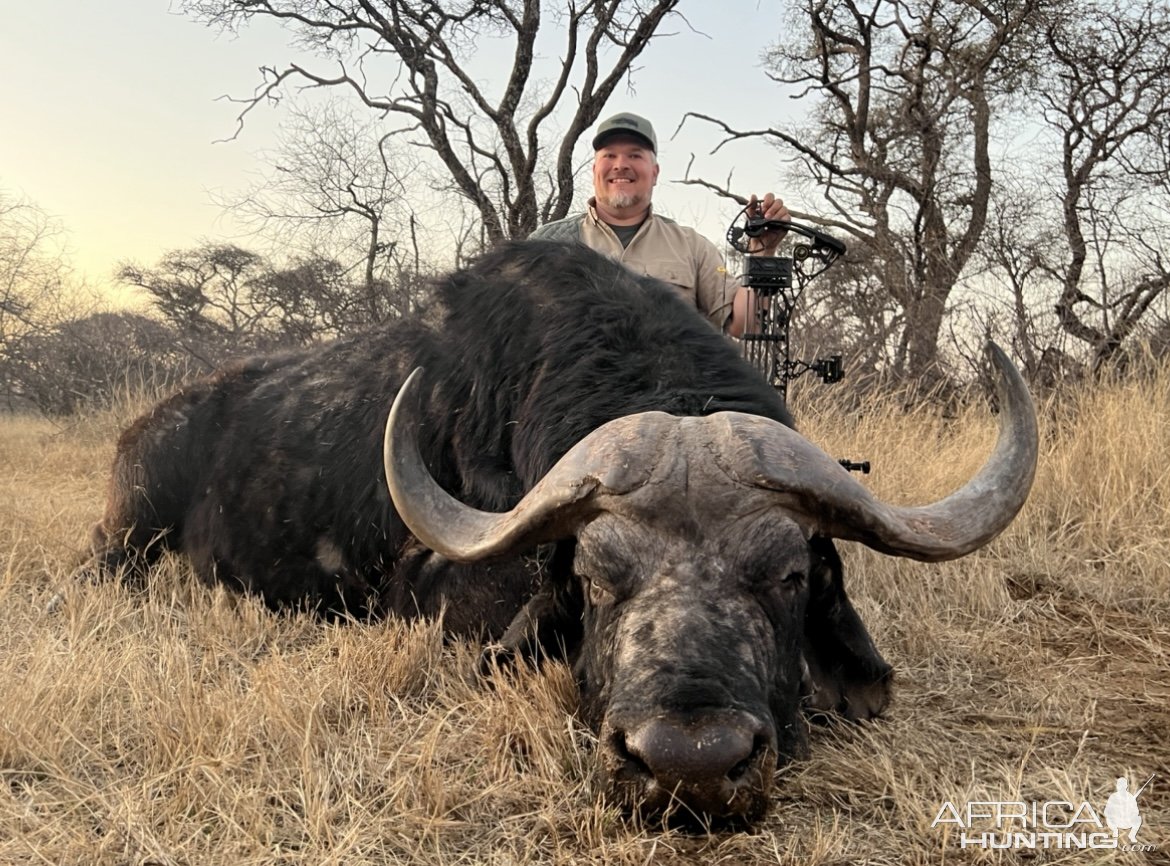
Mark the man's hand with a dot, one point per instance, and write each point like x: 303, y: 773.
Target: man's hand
x: 770, y: 208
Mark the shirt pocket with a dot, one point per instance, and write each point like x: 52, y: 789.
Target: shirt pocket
x: 670, y: 271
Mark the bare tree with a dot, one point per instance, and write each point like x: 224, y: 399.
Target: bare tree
x: 337, y: 190
x: 899, y: 140
x: 209, y: 296
x: 36, y: 287
x: 1109, y: 100
x: 90, y: 362
x: 490, y: 145
x: 1019, y: 244
x: 314, y: 298
x: 32, y: 268
x: 222, y: 300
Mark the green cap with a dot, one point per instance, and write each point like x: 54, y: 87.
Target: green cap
x: 625, y: 124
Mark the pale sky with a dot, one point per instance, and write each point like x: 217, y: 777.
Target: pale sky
x: 110, y: 119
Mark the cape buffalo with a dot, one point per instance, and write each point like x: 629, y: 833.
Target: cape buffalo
x: 565, y: 404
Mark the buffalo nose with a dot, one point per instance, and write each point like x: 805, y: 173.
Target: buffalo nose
x: 717, y: 766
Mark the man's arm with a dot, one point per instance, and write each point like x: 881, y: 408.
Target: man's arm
x: 714, y: 286
x: 729, y: 306
x: 744, y: 308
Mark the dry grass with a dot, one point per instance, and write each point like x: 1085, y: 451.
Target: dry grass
x: 189, y: 726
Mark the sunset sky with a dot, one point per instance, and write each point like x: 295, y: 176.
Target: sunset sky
x: 112, y: 120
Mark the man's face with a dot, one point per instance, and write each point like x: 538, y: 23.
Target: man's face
x: 624, y: 173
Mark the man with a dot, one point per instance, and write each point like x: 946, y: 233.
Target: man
x: 621, y: 223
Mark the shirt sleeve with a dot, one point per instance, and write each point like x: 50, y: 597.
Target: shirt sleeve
x: 714, y: 286
x: 567, y: 229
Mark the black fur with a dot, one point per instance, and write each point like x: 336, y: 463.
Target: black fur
x: 534, y: 346
x: 268, y: 476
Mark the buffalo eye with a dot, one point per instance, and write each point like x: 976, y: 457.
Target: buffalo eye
x: 794, y: 580
x: 600, y: 592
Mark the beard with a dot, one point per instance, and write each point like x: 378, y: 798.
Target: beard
x: 621, y: 200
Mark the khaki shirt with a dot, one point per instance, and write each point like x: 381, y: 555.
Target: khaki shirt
x: 662, y: 249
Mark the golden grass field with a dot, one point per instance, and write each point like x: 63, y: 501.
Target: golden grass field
x: 190, y: 726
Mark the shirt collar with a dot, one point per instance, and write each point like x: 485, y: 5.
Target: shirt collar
x: 597, y: 220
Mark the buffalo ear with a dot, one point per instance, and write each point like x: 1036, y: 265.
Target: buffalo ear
x: 846, y: 674
x: 549, y: 626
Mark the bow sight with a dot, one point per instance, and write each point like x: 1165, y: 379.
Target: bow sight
x: 770, y: 278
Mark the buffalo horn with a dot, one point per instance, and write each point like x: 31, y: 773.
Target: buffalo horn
x: 810, y: 482
x: 754, y: 452
x: 573, y: 490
